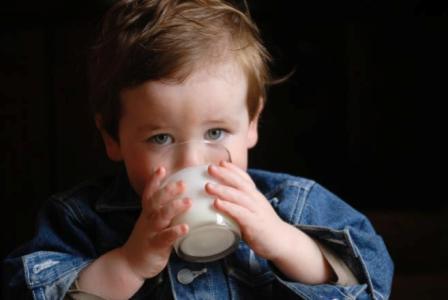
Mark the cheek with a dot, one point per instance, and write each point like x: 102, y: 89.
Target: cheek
x: 139, y: 168
x: 138, y: 176
x: 241, y: 162
x: 239, y: 156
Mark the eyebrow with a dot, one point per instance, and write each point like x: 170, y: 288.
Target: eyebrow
x: 222, y: 122
x: 216, y: 121
x: 148, y: 127
x: 223, y: 118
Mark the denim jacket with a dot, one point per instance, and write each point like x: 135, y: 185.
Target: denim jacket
x: 78, y: 226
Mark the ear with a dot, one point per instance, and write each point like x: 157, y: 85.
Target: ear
x: 252, y: 135
x: 112, y: 146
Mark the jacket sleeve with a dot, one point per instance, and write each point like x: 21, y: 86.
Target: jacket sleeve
x: 350, y: 235
x: 45, y: 267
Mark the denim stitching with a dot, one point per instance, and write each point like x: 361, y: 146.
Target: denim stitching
x: 343, y: 294
x: 290, y: 183
x: 37, y: 268
x: 304, y: 197
x: 171, y: 281
x: 291, y: 286
x: 38, y: 293
x: 305, y: 186
x: 70, y: 211
x: 27, y: 273
x: 357, y: 290
x: 361, y: 259
x: 380, y: 295
x: 34, y: 283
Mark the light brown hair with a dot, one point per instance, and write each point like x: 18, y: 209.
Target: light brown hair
x: 143, y: 40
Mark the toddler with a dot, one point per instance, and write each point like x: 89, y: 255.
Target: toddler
x: 167, y: 72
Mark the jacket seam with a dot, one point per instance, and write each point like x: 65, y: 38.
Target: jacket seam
x: 305, y: 196
x: 290, y: 183
x: 341, y: 291
x: 296, y: 290
x: 297, y: 212
x: 77, y: 215
x: 39, y: 283
x: 361, y: 259
x: 356, y: 291
x: 376, y: 292
x: 38, y: 293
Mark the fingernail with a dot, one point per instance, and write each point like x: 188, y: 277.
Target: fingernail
x: 158, y: 171
x: 179, y: 183
x: 212, y: 185
x: 185, y: 228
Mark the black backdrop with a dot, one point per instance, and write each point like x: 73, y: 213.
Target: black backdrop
x: 362, y: 114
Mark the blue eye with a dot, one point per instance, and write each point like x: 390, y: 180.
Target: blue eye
x: 214, y: 134
x: 161, y: 139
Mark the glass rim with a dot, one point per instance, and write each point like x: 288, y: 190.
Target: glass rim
x: 211, y: 143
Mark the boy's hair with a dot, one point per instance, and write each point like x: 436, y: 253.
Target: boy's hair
x: 167, y: 40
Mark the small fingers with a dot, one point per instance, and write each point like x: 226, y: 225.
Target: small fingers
x: 165, y: 214
x: 166, y: 194
x: 236, y: 169
x: 153, y: 185
x: 168, y: 236
x: 231, y: 195
x: 241, y: 215
x: 231, y: 175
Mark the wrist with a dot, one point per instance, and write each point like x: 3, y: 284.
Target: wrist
x: 129, y: 263
x: 285, y: 242
x: 300, y: 259
x: 110, y: 277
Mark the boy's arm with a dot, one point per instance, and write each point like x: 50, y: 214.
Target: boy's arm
x: 110, y: 277
x: 119, y: 273
x: 332, y: 222
x: 302, y: 253
x: 45, y: 266
x: 300, y: 258
x: 62, y: 250
x: 349, y: 236
x: 294, y: 253
x: 343, y: 275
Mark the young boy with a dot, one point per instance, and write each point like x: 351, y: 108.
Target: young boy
x: 167, y: 72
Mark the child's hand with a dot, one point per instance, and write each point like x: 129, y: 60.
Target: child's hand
x: 238, y: 197
x: 149, y: 246
x: 294, y: 253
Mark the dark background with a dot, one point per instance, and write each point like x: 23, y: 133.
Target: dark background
x: 362, y: 114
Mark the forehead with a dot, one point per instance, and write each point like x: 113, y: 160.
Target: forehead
x: 209, y: 90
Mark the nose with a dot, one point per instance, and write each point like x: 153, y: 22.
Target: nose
x: 193, y: 153
x: 189, y: 155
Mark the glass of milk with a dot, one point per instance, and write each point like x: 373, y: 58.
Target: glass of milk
x: 212, y: 235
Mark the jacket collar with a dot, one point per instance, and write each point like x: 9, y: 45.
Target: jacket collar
x: 118, y: 195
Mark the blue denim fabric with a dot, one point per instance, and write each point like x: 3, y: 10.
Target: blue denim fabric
x: 78, y: 226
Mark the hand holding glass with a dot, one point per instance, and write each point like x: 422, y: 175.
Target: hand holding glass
x: 212, y: 235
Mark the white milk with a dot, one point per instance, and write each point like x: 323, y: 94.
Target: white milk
x: 212, y: 235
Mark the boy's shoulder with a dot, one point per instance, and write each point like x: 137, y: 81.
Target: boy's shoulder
x: 101, y: 193
x: 300, y: 200
x: 271, y: 182
x: 88, y: 188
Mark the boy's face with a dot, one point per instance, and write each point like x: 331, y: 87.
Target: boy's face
x: 210, y: 105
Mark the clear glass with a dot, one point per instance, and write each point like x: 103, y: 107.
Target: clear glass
x: 177, y: 156
x: 212, y: 235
